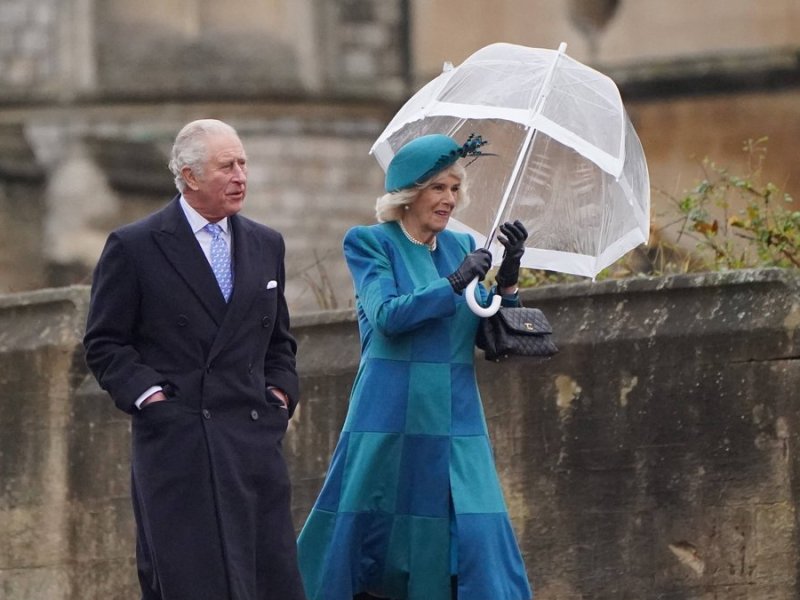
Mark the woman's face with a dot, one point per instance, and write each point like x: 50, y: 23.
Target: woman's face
x: 431, y: 210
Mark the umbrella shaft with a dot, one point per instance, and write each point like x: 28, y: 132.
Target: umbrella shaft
x: 525, y: 145
x: 511, y: 182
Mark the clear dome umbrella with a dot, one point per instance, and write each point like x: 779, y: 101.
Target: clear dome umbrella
x: 562, y: 156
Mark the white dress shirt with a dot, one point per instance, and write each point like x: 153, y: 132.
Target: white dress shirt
x: 197, y: 222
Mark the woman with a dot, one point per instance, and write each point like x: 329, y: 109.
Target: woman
x: 411, y: 507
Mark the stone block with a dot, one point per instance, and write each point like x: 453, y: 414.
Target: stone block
x: 36, y: 582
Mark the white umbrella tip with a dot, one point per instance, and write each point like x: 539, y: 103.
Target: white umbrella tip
x: 447, y: 66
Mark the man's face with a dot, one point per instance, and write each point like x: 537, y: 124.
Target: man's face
x: 218, y: 191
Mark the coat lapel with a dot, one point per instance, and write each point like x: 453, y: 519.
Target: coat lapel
x: 246, y: 281
x: 179, y: 245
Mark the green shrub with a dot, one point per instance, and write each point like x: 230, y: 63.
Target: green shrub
x: 753, y: 224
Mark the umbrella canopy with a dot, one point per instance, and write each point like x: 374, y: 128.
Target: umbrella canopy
x: 565, y: 159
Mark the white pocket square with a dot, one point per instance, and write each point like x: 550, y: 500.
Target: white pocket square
x: 272, y: 284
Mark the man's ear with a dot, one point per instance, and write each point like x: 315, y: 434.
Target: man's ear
x: 189, y: 177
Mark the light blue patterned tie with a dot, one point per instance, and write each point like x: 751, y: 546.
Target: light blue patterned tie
x: 220, y: 260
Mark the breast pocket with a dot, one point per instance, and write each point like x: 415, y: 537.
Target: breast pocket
x: 268, y: 304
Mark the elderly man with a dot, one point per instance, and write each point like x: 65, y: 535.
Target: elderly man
x: 188, y: 331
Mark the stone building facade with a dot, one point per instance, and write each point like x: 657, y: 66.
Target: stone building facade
x: 92, y: 93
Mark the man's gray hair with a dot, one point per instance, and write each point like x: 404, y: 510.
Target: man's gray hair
x: 189, y: 149
x: 390, y: 207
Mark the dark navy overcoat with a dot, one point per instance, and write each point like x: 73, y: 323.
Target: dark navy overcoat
x: 210, y: 485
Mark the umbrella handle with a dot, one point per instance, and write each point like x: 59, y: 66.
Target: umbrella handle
x: 479, y: 310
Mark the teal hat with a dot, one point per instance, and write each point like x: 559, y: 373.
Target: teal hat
x: 423, y: 157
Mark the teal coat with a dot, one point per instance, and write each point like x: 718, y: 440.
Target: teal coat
x: 411, y: 495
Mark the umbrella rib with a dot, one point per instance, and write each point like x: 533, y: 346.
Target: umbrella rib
x: 548, y: 79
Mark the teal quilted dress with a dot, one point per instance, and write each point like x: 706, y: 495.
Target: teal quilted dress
x: 411, y: 495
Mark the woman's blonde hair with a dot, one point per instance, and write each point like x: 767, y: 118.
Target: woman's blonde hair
x: 389, y: 207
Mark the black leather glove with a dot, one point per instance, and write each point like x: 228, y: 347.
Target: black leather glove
x: 475, y: 264
x: 513, y: 239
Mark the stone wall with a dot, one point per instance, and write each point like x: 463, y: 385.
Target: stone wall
x: 22, y: 212
x: 47, y: 50
x: 28, y: 48
x: 654, y: 457
x: 66, y: 50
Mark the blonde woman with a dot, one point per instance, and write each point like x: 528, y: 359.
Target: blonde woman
x: 411, y: 507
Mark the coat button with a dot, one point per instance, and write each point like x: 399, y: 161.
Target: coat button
x: 206, y: 413
x: 254, y: 415
x: 266, y: 321
x: 182, y: 321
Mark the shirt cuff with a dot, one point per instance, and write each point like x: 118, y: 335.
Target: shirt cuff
x: 149, y: 392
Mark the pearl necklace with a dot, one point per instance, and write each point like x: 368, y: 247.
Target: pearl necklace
x: 431, y: 246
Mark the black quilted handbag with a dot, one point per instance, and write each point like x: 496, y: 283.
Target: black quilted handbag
x: 516, y: 331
